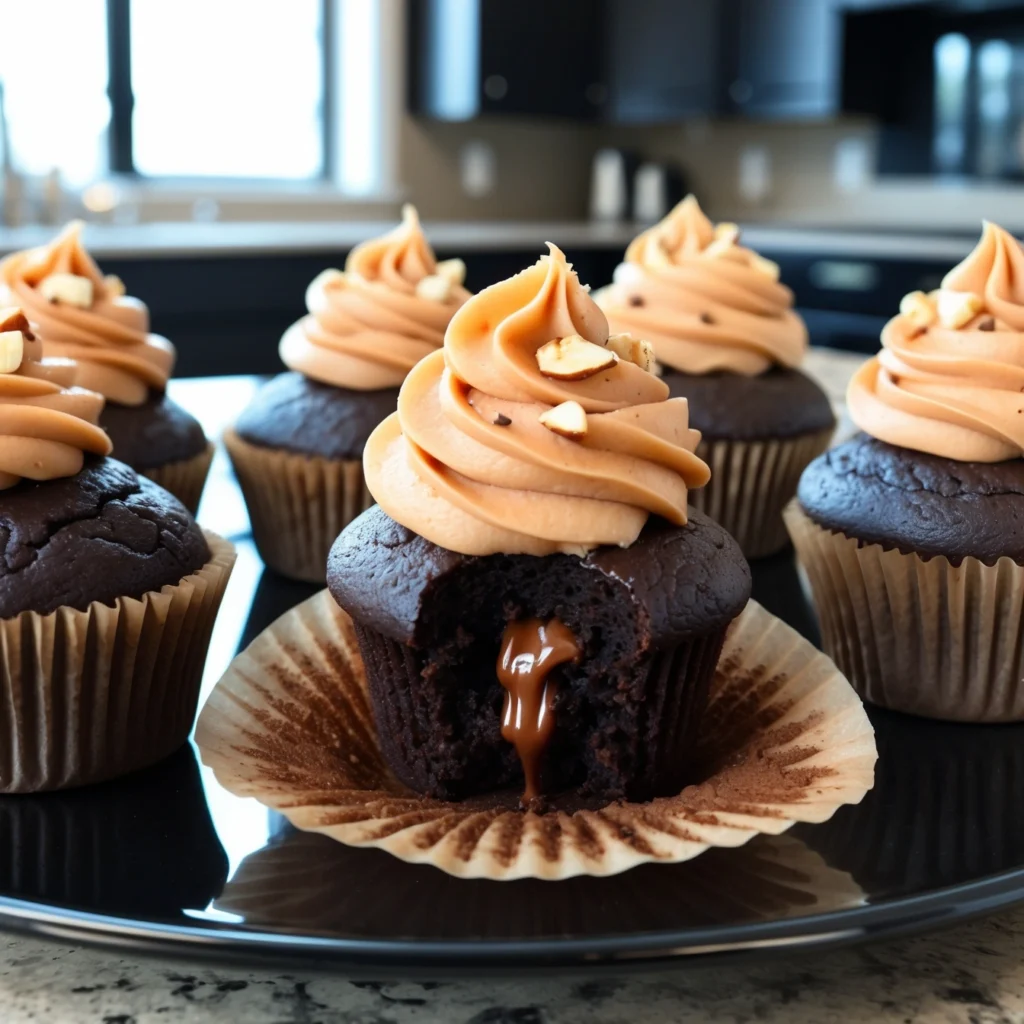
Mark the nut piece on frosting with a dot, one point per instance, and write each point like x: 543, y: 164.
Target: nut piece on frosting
x: 568, y: 419
x: 573, y: 358
x: 919, y: 309
x: 434, y: 288
x: 958, y: 308
x: 453, y: 271
x: 114, y: 286
x: 70, y: 289
x: 13, y: 330
x: 633, y: 350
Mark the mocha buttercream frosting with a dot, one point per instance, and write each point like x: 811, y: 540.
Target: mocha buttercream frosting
x: 369, y: 325
x: 468, y: 463
x: 705, y: 302
x: 46, y: 425
x: 950, y: 377
x: 83, y: 315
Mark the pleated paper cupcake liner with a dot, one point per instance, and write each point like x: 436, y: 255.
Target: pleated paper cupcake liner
x: 784, y: 739
x: 185, y: 479
x: 89, y: 695
x: 751, y: 483
x: 916, y: 634
x: 303, y: 881
x: 298, y: 504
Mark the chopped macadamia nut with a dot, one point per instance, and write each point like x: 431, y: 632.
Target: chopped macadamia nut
x: 919, y: 309
x: 12, y: 350
x: 633, y: 350
x: 114, y: 285
x: 434, y: 288
x: 568, y: 419
x: 69, y: 289
x: 452, y: 270
x: 573, y: 358
x: 958, y: 308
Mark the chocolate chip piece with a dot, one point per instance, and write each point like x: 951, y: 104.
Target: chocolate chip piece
x: 706, y: 318
x: 501, y: 420
x: 987, y: 325
x: 635, y: 300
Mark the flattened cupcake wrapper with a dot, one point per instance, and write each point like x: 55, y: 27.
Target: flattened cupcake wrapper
x: 915, y: 634
x: 298, y: 504
x: 89, y: 695
x: 751, y: 483
x: 185, y: 479
x: 784, y: 739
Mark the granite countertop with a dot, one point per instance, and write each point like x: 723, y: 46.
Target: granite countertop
x: 972, y: 974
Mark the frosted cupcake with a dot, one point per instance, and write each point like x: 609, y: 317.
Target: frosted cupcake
x: 534, y: 605
x: 912, y: 533
x: 108, y: 589
x: 83, y: 315
x: 297, y: 449
x: 727, y: 338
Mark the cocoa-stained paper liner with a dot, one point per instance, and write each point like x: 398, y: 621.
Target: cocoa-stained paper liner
x: 303, y: 881
x: 751, y: 483
x: 185, y: 479
x: 89, y: 695
x: 298, y: 504
x: 785, y: 740
x: 916, y: 634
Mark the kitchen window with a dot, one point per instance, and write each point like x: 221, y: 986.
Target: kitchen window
x: 198, y: 90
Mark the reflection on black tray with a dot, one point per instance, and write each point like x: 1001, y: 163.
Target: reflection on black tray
x: 142, y: 845
x: 304, y: 882
x: 946, y: 808
x: 273, y: 596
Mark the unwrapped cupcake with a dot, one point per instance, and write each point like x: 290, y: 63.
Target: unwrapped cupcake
x: 534, y: 605
x: 726, y: 335
x: 912, y: 534
x: 83, y: 315
x: 108, y: 589
x: 298, y: 448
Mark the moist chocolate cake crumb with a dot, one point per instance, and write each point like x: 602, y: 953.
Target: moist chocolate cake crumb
x: 299, y: 415
x: 650, y: 620
x: 103, y: 534
x: 152, y: 434
x: 878, y: 493
x: 781, y: 403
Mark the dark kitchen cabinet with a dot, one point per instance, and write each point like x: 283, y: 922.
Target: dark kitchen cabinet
x: 783, y: 58
x: 535, y: 57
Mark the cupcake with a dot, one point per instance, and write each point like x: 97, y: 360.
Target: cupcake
x: 298, y: 448
x: 83, y: 315
x: 108, y: 589
x: 912, y: 533
x: 534, y: 605
x: 727, y: 338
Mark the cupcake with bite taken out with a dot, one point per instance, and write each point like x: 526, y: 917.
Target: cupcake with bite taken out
x: 727, y: 338
x: 108, y: 589
x: 83, y: 315
x: 535, y: 606
x: 912, y: 533
x: 297, y: 449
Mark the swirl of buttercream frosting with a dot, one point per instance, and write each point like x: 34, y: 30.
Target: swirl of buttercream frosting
x: 46, y: 424
x: 109, y: 338
x: 368, y: 326
x: 467, y: 462
x: 950, y: 377
x: 702, y: 300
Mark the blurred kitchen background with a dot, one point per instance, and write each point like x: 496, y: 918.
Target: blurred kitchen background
x: 227, y: 150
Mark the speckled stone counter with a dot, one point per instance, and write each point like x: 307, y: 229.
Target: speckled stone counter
x: 973, y: 974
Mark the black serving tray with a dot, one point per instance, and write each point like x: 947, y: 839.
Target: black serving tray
x: 167, y: 861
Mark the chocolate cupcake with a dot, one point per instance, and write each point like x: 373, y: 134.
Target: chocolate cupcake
x: 83, y: 315
x: 727, y: 338
x: 108, y: 589
x: 912, y: 534
x: 534, y: 605
x: 297, y: 449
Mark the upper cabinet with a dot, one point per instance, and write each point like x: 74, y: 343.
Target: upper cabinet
x: 624, y: 61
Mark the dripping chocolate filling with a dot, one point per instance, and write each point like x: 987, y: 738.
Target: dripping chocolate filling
x: 530, y: 649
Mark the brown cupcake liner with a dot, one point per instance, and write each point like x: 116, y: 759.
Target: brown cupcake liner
x: 185, y: 479
x: 784, y: 739
x: 89, y: 695
x: 674, y: 696
x: 916, y: 634
x: 751, y: 483
x: 298, y: 504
